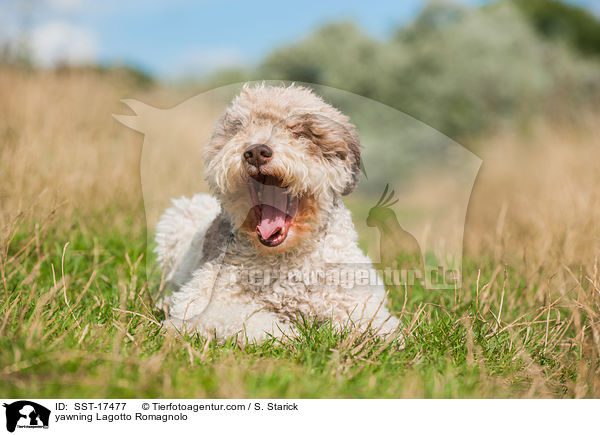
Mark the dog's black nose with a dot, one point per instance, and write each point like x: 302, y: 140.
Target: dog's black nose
x: 258, y: 154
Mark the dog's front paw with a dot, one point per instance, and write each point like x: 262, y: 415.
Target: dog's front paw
x: 263, y: 325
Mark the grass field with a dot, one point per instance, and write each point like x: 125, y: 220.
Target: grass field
x: 77, y: 313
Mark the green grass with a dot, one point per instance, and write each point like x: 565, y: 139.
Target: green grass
x: 77, y: 337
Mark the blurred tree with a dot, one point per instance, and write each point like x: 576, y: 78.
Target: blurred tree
x: 15, y: 32
x: 556, y: 19
x: 458, y: 69
x: 338, y: 54
x: 437, y: 15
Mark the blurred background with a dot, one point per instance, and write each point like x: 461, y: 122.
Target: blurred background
x: 516, y: 82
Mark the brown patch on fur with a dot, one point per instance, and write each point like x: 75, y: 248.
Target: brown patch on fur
x: 306, y: 217
x: 267, y: 116
x: 329, y: 139
x: 216, y: 238
x: 250, y: 223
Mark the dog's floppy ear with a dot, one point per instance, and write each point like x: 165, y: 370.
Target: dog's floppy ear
x: 356, y: 164
x: 332, y: 140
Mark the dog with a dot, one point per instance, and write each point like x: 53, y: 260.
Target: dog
x: 277, y: 164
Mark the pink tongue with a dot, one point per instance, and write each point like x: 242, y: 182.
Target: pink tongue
x: 271, y: 221
x: 273, y: 211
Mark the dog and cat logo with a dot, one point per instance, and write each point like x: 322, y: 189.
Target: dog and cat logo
x: 418, y: 233
x: 25, y: 414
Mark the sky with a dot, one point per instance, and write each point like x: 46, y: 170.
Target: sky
x: 178, y: 38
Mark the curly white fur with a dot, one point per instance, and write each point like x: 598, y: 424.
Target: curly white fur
x: 209, y: 251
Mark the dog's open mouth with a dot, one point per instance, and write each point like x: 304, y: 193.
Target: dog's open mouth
x: 275, y: 209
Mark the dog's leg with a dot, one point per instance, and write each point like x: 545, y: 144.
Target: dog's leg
x: 180, y: 236
x: 244, y: 320
x: 371, y: 311
x: 210, y: 304
x: 225, y: 320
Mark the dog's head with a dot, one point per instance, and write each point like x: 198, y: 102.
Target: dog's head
x: 278, y: 160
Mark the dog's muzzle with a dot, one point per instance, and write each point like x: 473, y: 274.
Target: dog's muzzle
x: 274, y: 207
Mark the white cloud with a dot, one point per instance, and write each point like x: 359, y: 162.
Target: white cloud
x: 60, y: 42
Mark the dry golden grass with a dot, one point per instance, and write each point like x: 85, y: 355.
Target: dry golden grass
x: 536, y: 197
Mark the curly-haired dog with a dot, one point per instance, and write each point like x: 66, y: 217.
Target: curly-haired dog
x: 275, y: 241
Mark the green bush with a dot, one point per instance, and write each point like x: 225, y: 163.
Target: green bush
x: 560, y: 20
x: 460, y: 70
